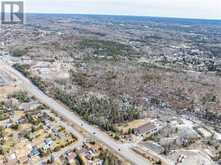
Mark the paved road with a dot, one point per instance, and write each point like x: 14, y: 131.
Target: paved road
x: 121, y: 149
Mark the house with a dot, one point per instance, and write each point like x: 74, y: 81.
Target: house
x: 35, y: 151
x: 8, y: 125
x: 70, y: 157
x: 47, y: 143
x: 61, y: 135
x: 98, y: 162
x: 22, y: 120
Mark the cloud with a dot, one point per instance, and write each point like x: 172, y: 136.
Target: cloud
x: 171, y: 8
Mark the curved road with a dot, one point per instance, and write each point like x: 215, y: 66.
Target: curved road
x: 121, y: 149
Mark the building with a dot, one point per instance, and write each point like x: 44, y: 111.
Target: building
x: 35, y: 151
x: 47, y: 143
x: 146, y: 129
x: 70, y: 157
x: 29, y: 106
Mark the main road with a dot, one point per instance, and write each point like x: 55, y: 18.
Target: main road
x: 119, y: 148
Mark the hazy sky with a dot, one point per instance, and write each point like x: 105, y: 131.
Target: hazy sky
x: 171, y: 8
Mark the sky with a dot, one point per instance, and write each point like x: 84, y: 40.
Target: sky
x: 207, y: 9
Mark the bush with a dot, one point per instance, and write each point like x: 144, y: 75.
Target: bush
x: 14, y: 126
x: 21, y: 96
x: 23, y: 68
x: 18, y: 52
x: 109, y: 158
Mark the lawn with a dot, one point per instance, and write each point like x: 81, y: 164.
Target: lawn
x: 133, y: 124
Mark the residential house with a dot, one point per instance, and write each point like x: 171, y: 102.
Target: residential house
x: 35, y: 151
x: 70, y: 157
x: 47, y: 143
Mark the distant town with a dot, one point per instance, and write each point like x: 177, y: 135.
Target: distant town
x: 110, y: 90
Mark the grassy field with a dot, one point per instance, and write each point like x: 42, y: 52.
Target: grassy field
x: 133, y: 124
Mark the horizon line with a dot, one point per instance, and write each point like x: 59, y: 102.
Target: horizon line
x: 126, y: 15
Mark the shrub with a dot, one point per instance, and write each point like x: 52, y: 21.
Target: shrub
x: 18, y: 52
x: 21, y: 96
